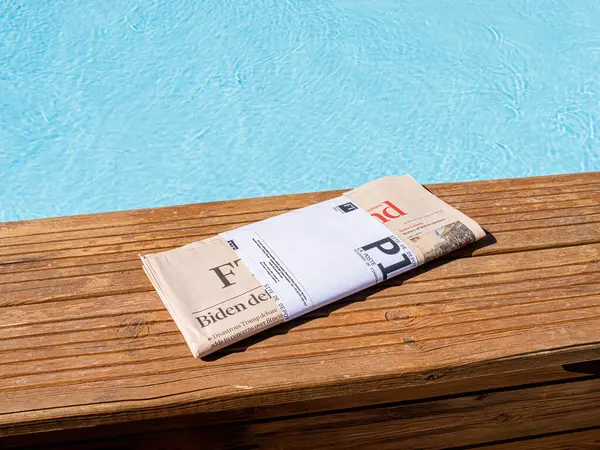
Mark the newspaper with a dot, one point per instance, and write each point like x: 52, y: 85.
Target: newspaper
x: 228, y: 287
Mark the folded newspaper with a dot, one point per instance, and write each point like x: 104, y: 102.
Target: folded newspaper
x: 228, y: 287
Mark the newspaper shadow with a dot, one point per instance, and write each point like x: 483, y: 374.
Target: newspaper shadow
x: 362, y: 296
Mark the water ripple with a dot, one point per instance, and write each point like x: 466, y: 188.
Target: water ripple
x: 137, y: 104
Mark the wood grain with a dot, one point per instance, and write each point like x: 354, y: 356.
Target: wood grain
x: 580, y: 440
x: 459, y: 421
x: 85, y: 340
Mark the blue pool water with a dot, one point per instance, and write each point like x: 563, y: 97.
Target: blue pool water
x: 119, y: 104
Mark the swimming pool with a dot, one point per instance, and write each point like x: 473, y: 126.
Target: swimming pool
x: 128, y: 104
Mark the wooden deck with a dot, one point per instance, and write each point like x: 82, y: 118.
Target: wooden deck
x: 499, y: 343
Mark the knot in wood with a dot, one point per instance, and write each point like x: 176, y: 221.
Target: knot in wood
x: 434, y: 376
x: 502, y: 418
x: 133, y: 328
x: 399, y: 316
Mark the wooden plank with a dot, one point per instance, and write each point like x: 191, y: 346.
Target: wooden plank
x: 125, y: 244
x: 114, y: 281
x: 456, y: 421
x: 520, y: 184
x: 202, y: 226
x: 568, y: 273
x: 156, y: 215
x: 432, y: 425
x: 85, y: 340
x: 31, y: 269
x: 511, y: 237
x: 193, y: 216
x: 420, y: 342
x: 194, y: 220
x: 189, y: 218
